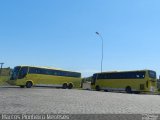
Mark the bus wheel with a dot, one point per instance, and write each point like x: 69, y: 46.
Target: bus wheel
x: 128, y: 89
x: 105, y: 90
x: 29, y: 84
x: 97, y: 88
x: 22, y: 86
x: 137, y: 92
x: 70, y: 86
x: 64, y: 86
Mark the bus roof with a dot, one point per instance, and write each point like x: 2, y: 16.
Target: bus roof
x: 123, y: 71
x: 46, y: 68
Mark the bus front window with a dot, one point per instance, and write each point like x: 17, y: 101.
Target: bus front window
x: 15, y: 72
x: 152, y: 74
x: 94, y: 78
x: 23, y: 72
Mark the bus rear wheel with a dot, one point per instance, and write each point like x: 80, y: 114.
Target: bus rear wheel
x: 70, y: 86
x: 64, y: 86
x: 105, y: 90
x: 128, y: 89
x: 137, y: 92
x: 29, y: 84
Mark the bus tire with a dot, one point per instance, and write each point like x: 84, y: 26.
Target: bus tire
x: 22, y: 86
x: 105, y: 90
x: 29, y: 84
x: 98, y: 88
x: 137, y: 92
x: 70, y: 86
x: 128, y: 89
x: 64, y: 86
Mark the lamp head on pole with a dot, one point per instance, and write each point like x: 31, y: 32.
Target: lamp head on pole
x: 1, y: 64
x: 97, y: 33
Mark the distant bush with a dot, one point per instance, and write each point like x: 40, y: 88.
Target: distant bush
x: 4, y: 76
x: 87, y: 79
x: 5, y: 72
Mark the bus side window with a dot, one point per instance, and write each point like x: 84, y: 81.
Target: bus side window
x: 32, y: 70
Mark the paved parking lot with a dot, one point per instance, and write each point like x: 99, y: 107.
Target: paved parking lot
x: 51, y: 100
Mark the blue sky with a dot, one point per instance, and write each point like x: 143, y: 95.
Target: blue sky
x: 61, y: 34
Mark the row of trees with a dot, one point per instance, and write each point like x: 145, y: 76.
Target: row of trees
x: 5, y: 71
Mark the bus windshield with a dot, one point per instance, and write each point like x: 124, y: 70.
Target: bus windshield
x: 94, y: 78
x: 23, y: 72
x: 19, y: 73
x: 152, y: 74
x: 15, y: 72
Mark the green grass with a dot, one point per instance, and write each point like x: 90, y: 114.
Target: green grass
x: 4, y: 76
x: 3, y: 80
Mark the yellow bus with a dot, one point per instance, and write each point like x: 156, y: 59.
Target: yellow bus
x: 28, y: 76
x: 129, y: 81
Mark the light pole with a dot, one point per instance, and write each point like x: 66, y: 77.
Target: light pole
x: 1, y: 67
x: 102, y: 50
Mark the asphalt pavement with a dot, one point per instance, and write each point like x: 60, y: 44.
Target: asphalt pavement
x: 38, y: 100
